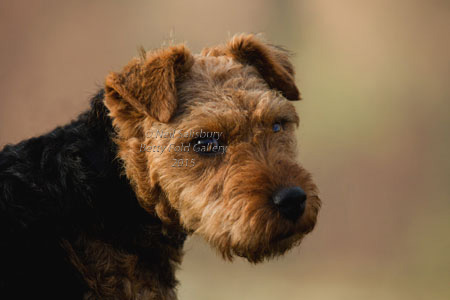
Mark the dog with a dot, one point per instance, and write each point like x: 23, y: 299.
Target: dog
x: 175, y: 144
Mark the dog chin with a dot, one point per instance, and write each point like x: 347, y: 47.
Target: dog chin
x: 277, y: 247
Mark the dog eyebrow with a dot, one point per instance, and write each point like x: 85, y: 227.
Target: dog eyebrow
x: 275, y: 110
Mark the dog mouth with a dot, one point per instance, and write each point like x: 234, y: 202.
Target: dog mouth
x: 276, y: 247
x: 286, y: 238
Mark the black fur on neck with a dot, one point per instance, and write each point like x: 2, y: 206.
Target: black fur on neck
x: 64, y: 192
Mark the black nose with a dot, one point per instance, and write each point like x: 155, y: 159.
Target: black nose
x: 290, y: 202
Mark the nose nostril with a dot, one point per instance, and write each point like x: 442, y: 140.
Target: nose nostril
x: 291, y: 202
x: 302, y: 197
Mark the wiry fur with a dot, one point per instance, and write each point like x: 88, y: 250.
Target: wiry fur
x: 87, y: 195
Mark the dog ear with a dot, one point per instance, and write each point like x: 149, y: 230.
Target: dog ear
x: 272, y: 63
x: 147, y: 85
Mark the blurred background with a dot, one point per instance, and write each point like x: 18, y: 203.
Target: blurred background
x: 375, y: 114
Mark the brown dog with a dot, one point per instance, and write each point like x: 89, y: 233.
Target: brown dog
x: 176, y: 144
x: 251, y: 198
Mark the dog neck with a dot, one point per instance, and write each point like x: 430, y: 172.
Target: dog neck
x: 122, y: 250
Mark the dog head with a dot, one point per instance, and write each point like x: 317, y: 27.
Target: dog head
x: 208, y: 144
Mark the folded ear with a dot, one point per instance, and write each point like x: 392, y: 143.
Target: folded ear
x: 147, y: 85
x: 271, y: 62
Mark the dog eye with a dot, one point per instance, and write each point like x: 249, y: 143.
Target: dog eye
x: 206, y: 146
x: 277, y: 127
x: 207, y: 142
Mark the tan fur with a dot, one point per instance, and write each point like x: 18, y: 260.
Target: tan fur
x: 239, y: 89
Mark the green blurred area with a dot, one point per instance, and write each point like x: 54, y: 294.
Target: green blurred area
x: 374, y: 77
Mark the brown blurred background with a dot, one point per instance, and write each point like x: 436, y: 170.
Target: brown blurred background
x: 374, y: 76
